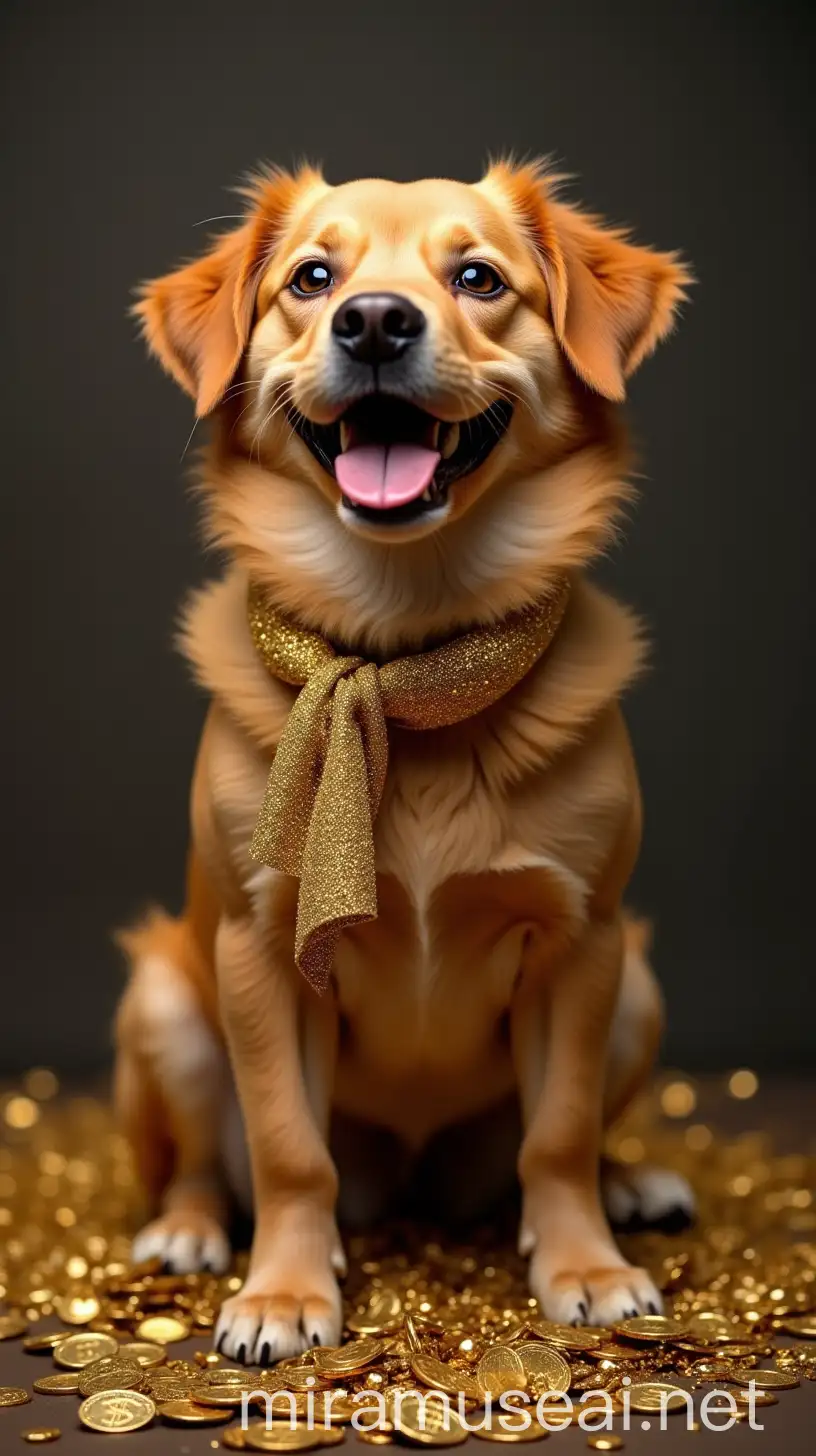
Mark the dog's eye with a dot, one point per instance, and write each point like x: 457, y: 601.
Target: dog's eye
x: 479, y: 278
x: 311, y: 278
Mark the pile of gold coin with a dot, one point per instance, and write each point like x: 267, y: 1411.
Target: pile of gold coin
x: 423, y: 1313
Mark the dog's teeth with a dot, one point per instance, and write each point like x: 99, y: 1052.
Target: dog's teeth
x: 435, y: 435
x: 450, y: 444
x: 426, y: 495
x: 345, y: 435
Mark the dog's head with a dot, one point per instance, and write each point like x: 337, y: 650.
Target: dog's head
x: 404, y: 349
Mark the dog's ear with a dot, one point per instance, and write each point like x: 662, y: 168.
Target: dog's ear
x: 197, y: 320
x: 612, y: 301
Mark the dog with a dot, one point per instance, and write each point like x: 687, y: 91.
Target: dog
x: 478, y: 338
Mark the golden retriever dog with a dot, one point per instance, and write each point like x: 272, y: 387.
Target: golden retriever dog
x: 414, y: 392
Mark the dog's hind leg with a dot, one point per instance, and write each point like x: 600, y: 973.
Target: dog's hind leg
x: 170, y: 1084
x: 640, y: 1194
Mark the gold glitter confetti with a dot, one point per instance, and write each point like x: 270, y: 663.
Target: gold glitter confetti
x: 329, y: 769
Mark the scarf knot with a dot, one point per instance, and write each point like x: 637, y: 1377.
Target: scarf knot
x: 328, y: 773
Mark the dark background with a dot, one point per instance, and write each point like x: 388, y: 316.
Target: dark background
x: 124, y: 123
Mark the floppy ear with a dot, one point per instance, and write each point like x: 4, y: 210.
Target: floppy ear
x: 612, y: 301
x: 197, y: 320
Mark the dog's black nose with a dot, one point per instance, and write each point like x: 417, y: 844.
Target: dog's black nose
x: 376, y: 328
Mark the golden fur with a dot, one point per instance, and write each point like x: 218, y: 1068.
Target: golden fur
x: 501, y: 967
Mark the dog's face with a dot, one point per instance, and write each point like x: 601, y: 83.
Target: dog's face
x: 403, y: 347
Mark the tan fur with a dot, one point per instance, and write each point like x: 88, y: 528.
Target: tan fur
x: 504, y: 844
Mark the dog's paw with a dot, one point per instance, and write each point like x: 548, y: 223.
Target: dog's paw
x: 658, y: 1197
x: 186, y: 1243
x: 596, y: 1295
x: 258, y: 1327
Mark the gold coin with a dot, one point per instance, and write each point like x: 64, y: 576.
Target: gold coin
x: 279, y: 1436
x: 348, y: 1358
x: 35, y: 1343
x: 375, y: 1438
x: 545, y: 1369
x: 383, y: 1312
x: 803, y: 1325
x: 759, y: 1397
x: 412, y: 1334
x: 117, y: 1410
x: 497, y: 1432
x: 77, y: 1351
x: 162, y: 1329
x: 765, y: 1379
x: 77, y: 1309
x: 233, y: 1439
x: 650, y: 1327
x: 222, y: 1396
x: 39, y: 1435
x: 425, y: 1421
x: 709, y: 1328
x: 12, y: 1325
x: 110, y: 1373
x: 500, y: 1369
x: 656, y: 1395
x: 13, y: 1395
x: 190, y: 1413
x: 230, y: 1375
x: 145, y: 1352
x: 67, y: 1384
x: 605, y: 1443
x: 438, y: 1376
x: 567, y: 1336
x: 611, y: 1350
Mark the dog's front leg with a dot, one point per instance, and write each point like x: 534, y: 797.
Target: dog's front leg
x: 290, y: 1299
x: 560, y: 1029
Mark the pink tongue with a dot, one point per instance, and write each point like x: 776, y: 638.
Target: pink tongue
x: 385, y: 475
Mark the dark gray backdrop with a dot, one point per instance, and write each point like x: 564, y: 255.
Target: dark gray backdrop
x: 124, y: 124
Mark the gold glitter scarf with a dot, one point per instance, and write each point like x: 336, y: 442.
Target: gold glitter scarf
x: 328, y: 773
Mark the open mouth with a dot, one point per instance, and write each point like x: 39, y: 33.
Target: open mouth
x: 395, y: 462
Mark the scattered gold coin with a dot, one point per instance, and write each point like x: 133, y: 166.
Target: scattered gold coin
x: 568, y: 1336
x: 222, y: 1397
x: 500, y: 1369
x: 348, y: 1358
x: 77, y: 1309
x: 519, y: 1432
x: 117, y: 1410
x: 803, y: 1325
x: 110, y: 1373
x: 67, y: 1384
x: 427, y: 1422
x: 11, y: 1326
x: 13, y: 1395
x: 279, y: 1437
x: 383, y: 1312
x: 610, y: 1442
x: 162, y: 1329
x: 233, y: 1439
x: 375, y: 1438
x: 759, y: 1397
x: 657, y: 1395
x: 77, y: 1351
x: 145, y: 1352
x: 190, y: 1413
x: 650, y: 1327
x: 544, y: 1369
x: 436, y: 1375
x: 35, y: 1344
x: 765, y: 1379
x: 40, y: 1435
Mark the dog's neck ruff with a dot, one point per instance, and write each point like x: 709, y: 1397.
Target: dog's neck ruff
x: 328, y: 773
